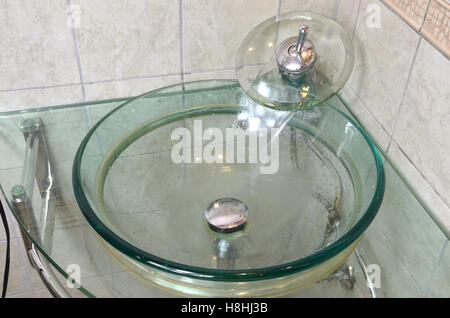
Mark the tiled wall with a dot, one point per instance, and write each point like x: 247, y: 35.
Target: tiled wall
x: 65, y: 51
x: 62, y: 51
x: 400, y: 91
x: 430, y: 18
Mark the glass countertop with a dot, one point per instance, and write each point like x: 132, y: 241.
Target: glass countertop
x: 74, y: 245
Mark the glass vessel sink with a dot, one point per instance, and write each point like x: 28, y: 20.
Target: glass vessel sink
x: 195, y: 218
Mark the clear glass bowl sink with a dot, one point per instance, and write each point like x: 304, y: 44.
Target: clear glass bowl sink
x: 149, y: 209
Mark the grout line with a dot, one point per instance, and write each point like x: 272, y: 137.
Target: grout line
x: 437, y: 48
x: 277, y: 19
x: 78, y: 58
x: 421, y: 174
x: 420, y: 28
x: 131, y: 78
x: 398, y: 255
x: 38, y: 87
x: 13, y: 224
x: 280, y: 7
x: 77, y: 50
x: 402, y: 99
x: 43, y: 289
x: 88, y: 116
x: 25, y: 264
x: 391, y: 134
x: 10, y: 218
x: 408, y: 79
x: 182, y: 73
x: 158, y: 75
x: 13, y: 169
x: 369, y: 112
x: 335, y: 9
x: 398, y: 16
x: 181, y: 41
x: 115, y: 80
x: 210, y: 70
x: 404, y: 20
x: 22, y: 294
x: 425, y: 17
x: 113, y: 279
x: 95, y: 275
x: 356, y: 19
x: 435, y: 267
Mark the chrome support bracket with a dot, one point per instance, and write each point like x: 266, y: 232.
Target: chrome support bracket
x: 37, y: 168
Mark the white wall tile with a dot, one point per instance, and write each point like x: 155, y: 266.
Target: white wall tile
x: 42, y: 97
x: 128, y: 88
x: 365, y: 118
x: 396, y: 280
x: 126, y: 38
x: 383, y: 60
x: 343, y: 11
x: 423, y: 130
x: 409, y: 229
x: 228, y: 74
x: 439, y: 283
x: 430, y: 199
x: 37, y: 47
x: 213, y: 30
x: 122, y: 43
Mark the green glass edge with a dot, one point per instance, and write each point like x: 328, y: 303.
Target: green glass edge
x: 229, y: 275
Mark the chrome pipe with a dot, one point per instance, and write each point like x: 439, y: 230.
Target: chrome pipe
x: 362, y: 264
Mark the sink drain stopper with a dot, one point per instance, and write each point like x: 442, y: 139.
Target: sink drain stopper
x: 226, y: 215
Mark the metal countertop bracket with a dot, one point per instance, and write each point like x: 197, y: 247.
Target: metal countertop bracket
x: 37, y: 168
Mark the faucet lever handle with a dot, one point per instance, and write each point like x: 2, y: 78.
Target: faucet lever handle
x: 303, y: 33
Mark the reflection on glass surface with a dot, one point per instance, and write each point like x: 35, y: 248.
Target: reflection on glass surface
x: 258, y: 61
x: 103, y: 276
